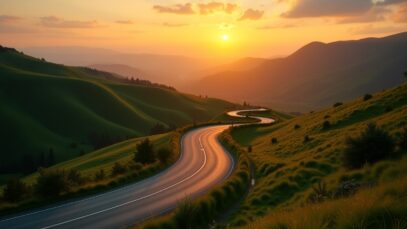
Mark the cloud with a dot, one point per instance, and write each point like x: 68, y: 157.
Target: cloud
x: 6, y: 19
x: 213, y: 7
x: 376, y: 13
x: 283, y: 26
x: 400, y: 15
x: 55, y: 22
x: 182, y: 9
x: 318, y: 8
x: 167, y: 24
x: 251, y: 14
x: 124, y: 22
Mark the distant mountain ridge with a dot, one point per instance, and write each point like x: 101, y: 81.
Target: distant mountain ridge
x: 316, y: 75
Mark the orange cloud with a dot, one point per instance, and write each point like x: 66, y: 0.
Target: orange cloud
x: 401, y: 14
x: 251, y: 14
x: 55, y: 22
x: 212, y: 7
x: 9, y: 19
x: 183, y: 9
x: 125, y: 22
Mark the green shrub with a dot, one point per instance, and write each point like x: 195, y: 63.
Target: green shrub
x: 338, y: 104
x: 75, y: 177
x: 51, y: 183
x: 145, y: 153
x: 274, y: 141
x: 118, y: 169
x: 367, y: 97
x: 374, y: 144
x: 326, y: 125
x: 100, y: 175
x: 164, y: 155
x: 15, y: 190
x: 402, y: 141
x: 249, y: 149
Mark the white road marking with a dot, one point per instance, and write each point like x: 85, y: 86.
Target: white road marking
x: 135, y: 200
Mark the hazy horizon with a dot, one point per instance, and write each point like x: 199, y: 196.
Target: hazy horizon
x: 204, y: 29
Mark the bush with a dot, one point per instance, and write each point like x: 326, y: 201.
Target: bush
x: 118, y: 169
x: 15, y: 190
x: 100, y: 175
x: 402, y: 141
x: 307, y: 139
x: 338, y: 104
x: 367, y: 97
x: 145, y: 153
x: 75, y: 177
x: 51, y: 183
x: 374, y: 144
x: 249, y: 149
x: 274, y: 141
x: 296, y: 127
x: 164, y: 155
x: 326, y: 125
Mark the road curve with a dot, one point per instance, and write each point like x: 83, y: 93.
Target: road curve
x: 203, y: 163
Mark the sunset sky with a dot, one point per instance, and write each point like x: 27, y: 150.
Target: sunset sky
x: 204, y: 28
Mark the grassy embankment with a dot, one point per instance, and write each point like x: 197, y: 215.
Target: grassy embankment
x: 296, y: 158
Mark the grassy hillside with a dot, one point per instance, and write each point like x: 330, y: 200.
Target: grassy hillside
x: 67, y: 111
x: 305, y: 152
x: 315, y: 76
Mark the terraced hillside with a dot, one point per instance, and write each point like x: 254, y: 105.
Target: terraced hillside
x: 301, y: 181
x: 50, y: 112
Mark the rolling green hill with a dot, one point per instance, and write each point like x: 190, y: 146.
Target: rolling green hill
x: 293, y: 156
x: 55, y: 112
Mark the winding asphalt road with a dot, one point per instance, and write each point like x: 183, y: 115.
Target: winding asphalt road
x: 203, y: 163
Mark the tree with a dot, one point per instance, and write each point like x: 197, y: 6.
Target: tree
x: 249, y: 149
x: 51, y: 183
x: 326, y: 125
x: 75, y: 177
x: 338, y: 104
x: 164, y: 155
x: 118, y: 169
x: 145, y: 153
x: 15, y: 190
x: 402, y: 141
x: 100, y: 175
x: 374, y: 144
x: 274, y: 140
x: 367, y: 97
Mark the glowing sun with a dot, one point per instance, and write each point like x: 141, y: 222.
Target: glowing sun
x: 225, y: 37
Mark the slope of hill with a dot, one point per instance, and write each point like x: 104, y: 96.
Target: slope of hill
x: 167, y: 69
x: 293, y: 156
x: 125, y: 71
x: 51, y: 110
x: 316, y: 75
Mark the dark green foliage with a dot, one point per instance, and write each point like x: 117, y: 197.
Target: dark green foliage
x: 249, y: 149
x: 374, y: 144
x: 118, y: 169
x: 338, y: 104
x: 186, y: 214
x: 75, y: 177
x: 402, y: 141
x: 158, y: 129
x: 307, y: 139
x: 145, y: 153
x: 327, y: 116
x: 15, y: 190
x: 164, y: 155
x: 320, y: 193
x: 274, y: 140
x: 367, y: 97
x: 51, y: 183
x: 100, y: 175
x: 326, y: 125
x: 297, y: 126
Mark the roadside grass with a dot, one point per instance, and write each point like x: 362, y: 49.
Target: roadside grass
x: 306, y: 152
